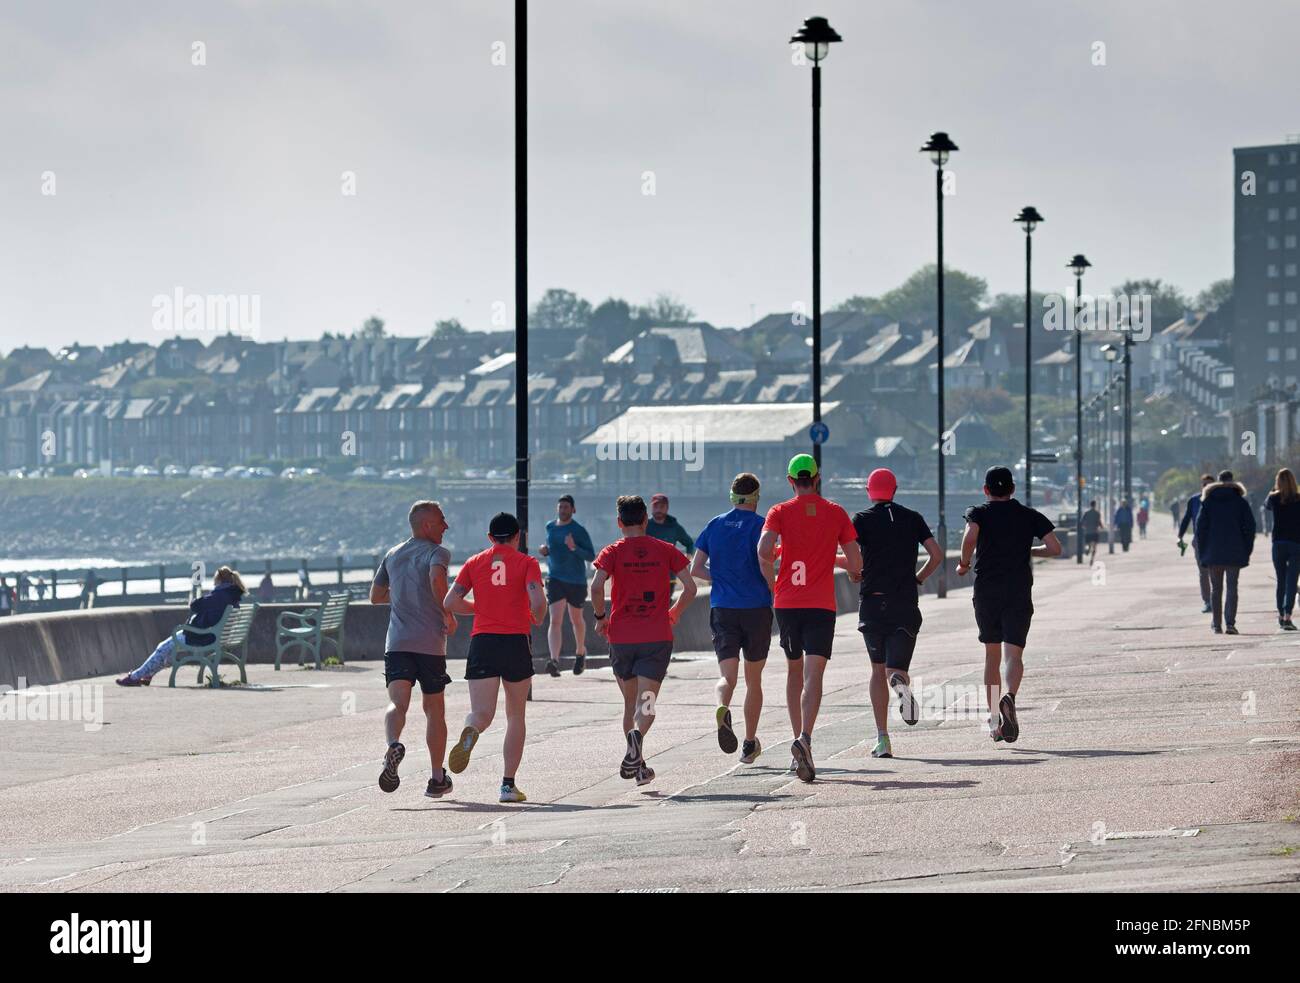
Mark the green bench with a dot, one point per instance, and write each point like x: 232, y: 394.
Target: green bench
x: 309, y: 630
x: 229, y: 642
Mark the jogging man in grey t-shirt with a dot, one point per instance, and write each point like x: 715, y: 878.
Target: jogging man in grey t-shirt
x: 413, y: 579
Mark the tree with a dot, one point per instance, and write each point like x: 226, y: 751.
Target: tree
x: 1011, y: 307
x: 916, y: 298
x: 450, y: 328
x: 664, y: 308
x: 1214, y: 295
x: 1168, y: 303
x: 560, y: 310
x: 372, y: 328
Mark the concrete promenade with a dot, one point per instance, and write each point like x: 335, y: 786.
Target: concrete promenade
x: 1154, y: 755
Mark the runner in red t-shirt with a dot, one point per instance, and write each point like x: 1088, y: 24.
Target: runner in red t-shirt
x: 810, y: 529
x: 639, y: 624
x: 508, y: 601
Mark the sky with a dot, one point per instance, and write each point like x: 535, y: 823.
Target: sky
x: 228, y: 177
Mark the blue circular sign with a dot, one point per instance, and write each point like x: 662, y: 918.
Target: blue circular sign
x: 819, y: 432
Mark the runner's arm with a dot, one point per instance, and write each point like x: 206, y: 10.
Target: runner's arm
x: 598, y: 594
x: 685, y: 539
x: 456, y: 602
x: 438, y: 581
x: 852, y: 559
x: 536, y: 601
x: 700, y: 566
x: 685, y: 597
x: 968, y: 540
x: 379, y: 592
x: 1051, y: 546
x: 935, y: 554
x: 584, y: 547
x: 767, y: 557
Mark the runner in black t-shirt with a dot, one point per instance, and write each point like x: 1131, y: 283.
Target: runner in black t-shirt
x: 1001, y: 533
x: 889, y: 616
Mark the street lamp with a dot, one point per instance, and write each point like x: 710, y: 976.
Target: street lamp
x: 1078, y: 265
x: 817, y: 36
x: 521, y: 270
x: 1111, y: 353
x: 1028, y: 219
x: 940, y: 148
x: 1128, y: 414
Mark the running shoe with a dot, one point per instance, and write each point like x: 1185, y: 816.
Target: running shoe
x: 907, y: 705
x: 388, y: 780
x: 1010, y: 726
x: 437, y: 789
x: 882, y: 748
x: 1288, y: 625
x: 1207, y: 609
x: 726, y: 736
x: 1232, y: 630
x: 749, y: 751
x: 803, y: 760
x: 632, y: 760
x: 579, y: 664
x: 1216, y: 629
x: 512, y: 793
x: 132, y: 681
x: 553, y: 668
x: 458, y: 760
x: 644, y: 774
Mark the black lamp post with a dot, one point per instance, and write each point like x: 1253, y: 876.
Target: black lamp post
x: 1111, y: 353
x: 817, y: 36
x: 1028, y: 219
x: 1078, y: 265
x: 940, y: 147
x: 1128, y: 414
x: 521, y: 270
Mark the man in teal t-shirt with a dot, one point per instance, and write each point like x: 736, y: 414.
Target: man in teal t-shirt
x: 568, y: 550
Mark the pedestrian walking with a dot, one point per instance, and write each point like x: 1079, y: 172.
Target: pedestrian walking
x: 1190, y: 512
x: 1225, y: 528
x: 1283, y: 509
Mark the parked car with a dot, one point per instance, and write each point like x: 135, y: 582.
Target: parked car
x: 122, y: 472
x: 238, y: 471
x: 259, y: 473
x: 145, y: 471
x: 311, y: 473
x: 288, y: 474
x: 174, y: 471
x: 362, y: 471
x: 85, y: 473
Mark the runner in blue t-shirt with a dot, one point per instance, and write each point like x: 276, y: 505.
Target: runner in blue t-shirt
x: 726, y: 554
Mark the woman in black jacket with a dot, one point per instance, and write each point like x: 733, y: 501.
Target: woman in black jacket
x: 206, y: 611
x: 1284, y: 502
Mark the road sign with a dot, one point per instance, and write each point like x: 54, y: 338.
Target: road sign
x: 819, y: 432
x: 1043, y: 457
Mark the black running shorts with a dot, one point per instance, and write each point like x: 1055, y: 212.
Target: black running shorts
x: 737, y: 630
x: 810, y: 630
x: 647, y: 659
x: 1004, y: 616
x: 562, y: 590
x: 429, y: 670
x: 507, y: 656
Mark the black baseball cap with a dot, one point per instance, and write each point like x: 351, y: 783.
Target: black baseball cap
x: 503, y: 526
x: 999, y: 481
x: 569, y: 499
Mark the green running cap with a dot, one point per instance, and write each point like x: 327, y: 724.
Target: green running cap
x: 803, y: 466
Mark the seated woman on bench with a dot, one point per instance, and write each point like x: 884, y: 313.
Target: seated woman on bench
x: 206, y: 611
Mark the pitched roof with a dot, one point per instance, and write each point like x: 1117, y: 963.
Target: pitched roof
x: 740, y: 423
